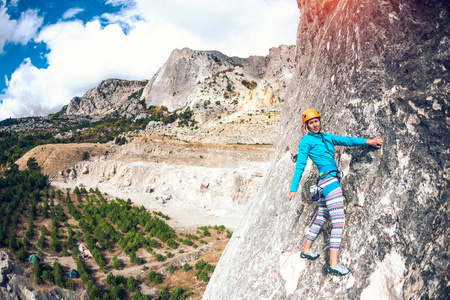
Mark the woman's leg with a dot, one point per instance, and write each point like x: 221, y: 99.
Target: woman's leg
x: 321, y: 217
x: 335, y: 204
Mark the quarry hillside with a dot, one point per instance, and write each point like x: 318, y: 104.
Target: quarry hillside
x: 371, y: 68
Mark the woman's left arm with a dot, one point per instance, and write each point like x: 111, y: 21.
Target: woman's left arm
x: 376, y: 142
x: 346, y: 140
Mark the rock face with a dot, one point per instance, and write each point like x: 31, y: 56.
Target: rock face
x: 370, y: 68
x: 212, y: 83
x: 15, y: 284
x: 109, y: 97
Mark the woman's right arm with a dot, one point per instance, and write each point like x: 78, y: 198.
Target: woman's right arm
x: 302, y: 157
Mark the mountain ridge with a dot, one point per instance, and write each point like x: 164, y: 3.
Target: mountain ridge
x: 198, y: 80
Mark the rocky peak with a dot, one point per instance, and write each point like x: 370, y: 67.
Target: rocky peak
x: 109, y: 97
x: 200, y: 79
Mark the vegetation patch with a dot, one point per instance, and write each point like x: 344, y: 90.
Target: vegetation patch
x: 86, y: 217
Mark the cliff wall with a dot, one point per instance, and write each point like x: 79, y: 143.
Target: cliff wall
x: 111, y: 96
x: 370, y: 68
x: 200, y: 78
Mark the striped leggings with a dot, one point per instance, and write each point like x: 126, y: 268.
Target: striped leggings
x: 330, y: 204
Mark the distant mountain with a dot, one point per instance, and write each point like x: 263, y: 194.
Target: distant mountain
x: 112, y: 96
x: 208, y: 82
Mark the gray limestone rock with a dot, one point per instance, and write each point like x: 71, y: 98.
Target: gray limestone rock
x: 211, y: 83
x: 7, y: 268
x: 112, y: 96
x: 16, y: 285
x: 370, y: 68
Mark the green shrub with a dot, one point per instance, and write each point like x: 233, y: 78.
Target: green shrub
x: 70, y: 285
x: 172, y: 244
x: 188, y: 242
x: 48, y: 276
x: 205, y: 231
x: 32, y: 163
x: 85, y: 155
x: 163, y: 293
x: 186, y: 267
x: 171, y: 268
x: 192, y: 236
x: 155, y: 278
x: 117, y: 263
x: 202, y: 275
x: 131, y: 284
x: 199, y: 265
x: 251, y: 85
x: 22, y: 254
x: 178, y: 294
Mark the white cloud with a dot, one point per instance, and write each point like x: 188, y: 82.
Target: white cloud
x: 82, y: 55
x: 235, y: 27
x: 72, y: 12
x: 34, y: 104
x: 14, y: 2
x: 18, y: 31
x: 120, y: 2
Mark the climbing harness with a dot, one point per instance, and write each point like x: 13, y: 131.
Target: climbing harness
x: 315, y: 189
x: 295, y: 248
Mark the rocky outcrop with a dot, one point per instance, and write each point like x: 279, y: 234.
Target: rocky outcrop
x: 16, y: 284
x: 370, y: 68
x: 112, y: 96
x: 212, y: 83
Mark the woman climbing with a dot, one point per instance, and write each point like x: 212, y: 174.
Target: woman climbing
x: 320, y: 148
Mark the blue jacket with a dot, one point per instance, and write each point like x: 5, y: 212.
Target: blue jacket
x: 320, y: 148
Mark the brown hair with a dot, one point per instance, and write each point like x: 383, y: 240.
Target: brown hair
x: 304, y: 129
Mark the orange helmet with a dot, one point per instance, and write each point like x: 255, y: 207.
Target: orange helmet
x: 309, y: 114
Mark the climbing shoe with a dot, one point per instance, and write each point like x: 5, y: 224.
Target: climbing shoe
x: 339, y: 270
x: 310, y: 255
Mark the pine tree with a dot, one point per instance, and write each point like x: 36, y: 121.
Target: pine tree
x: 32, y: 163
x: 37, y: 272
x: 58, y: 274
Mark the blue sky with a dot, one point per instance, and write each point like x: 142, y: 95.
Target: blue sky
x: 51, y: 51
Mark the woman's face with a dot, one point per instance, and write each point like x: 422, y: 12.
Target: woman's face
x: 314, y: 125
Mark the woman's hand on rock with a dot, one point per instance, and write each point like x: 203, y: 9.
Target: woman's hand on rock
x: 376, y: 142
x: 291, y: 196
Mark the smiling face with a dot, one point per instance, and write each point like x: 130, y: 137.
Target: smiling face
x: 314, y: 125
